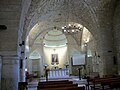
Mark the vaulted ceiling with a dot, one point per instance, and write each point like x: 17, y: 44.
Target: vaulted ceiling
x: 43, y: 15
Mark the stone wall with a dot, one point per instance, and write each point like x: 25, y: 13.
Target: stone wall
x: 9, y: 14
x: 0, y: 70
x: 116, y: 28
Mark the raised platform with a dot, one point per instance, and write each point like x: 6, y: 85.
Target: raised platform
x: 58, y: 73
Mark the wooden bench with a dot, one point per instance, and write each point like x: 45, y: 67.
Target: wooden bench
x: 57, y: 85
x: 29, y: 77
x: 100, y: 83
x: 115, y: 85
x: 22, y: 85
x: 55, y: 82
x: 64, y: 88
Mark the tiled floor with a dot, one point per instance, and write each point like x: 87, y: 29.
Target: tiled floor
x: 33, y: 84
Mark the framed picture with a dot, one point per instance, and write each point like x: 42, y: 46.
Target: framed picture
x: 54, y: 59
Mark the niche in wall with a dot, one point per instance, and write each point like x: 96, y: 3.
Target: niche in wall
x: 60, y: 53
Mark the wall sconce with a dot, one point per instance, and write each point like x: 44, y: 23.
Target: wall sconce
x: 20, y: 45
x: 99, y: 56
x: 66, y: 66
x: 26, y: 69
x: 45, y: 66
x: 21, y: 63
x: 3, y: 27
x: 109, y: 51
x: 23, y: 43
x: 85, y: 44
x: 22, y: 52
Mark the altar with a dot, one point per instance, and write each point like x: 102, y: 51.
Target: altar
x: 58, y: 73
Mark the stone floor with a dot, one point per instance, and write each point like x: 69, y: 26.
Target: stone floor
x: 33, y: 84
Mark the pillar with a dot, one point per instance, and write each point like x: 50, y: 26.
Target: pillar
x: 0, y: 70
x: 70, y: 64
x: 118, y: 62
x: 10, y: 72
x: 22, y: 63
x: 116, y: 28
x: 22, y: 70
x: 41, y: 67
x: 105, y: 52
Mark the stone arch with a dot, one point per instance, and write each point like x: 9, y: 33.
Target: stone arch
x: 94, y: 24
x: 32, y: 10
x: 34, y: 55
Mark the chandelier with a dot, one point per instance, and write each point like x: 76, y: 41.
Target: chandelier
x: 72, y: 29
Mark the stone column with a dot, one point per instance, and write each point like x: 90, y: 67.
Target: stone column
x: 70, y: 64
x: 22, y: 63
x: 10, y: 73
x: 41, y: 66
x: 116, y: 28
x: 105, y: 52
x: 86, y: 54
x: 22, y: 70
x: 118, y: 62
x: 0, y: 70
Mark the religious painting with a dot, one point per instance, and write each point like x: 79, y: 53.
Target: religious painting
x: 54, y: 59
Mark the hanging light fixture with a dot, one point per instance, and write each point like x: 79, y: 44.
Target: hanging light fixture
x: 71, y: 28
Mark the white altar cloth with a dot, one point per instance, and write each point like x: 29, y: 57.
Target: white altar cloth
x: 58, y: 73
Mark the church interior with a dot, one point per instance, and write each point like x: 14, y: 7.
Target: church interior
x: 49, y: 40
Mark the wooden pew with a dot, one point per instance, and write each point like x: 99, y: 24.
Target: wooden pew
x: 89, y: 83
x: 103, y: 82
x: 57, y: 85
x: 115, y: 85
x: 29, y: 77
x: 22, y: 85
x: 107, y: 82
x: 64, y: 88
x: 55, y: 82
x: 112, y: 83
